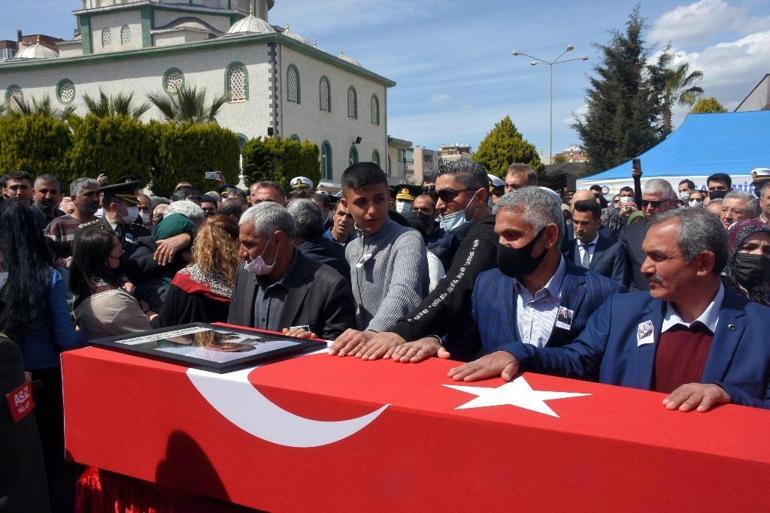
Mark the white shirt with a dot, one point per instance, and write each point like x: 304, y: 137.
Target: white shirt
x: 590, y: 247
x: 536, y: 315
x: 709, y: 317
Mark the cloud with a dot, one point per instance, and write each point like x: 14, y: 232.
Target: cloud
x: 696, y: 22
x: 578, y: 113
x: 438, y: 99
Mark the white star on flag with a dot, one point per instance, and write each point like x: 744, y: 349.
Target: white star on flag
x: 515, y: 393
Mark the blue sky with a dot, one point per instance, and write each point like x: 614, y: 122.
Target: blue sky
x: 452, y: 58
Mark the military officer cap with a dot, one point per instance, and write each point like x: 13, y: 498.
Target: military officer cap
x: 126, y: 191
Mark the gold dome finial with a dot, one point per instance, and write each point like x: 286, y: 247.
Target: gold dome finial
x: 251, y: 8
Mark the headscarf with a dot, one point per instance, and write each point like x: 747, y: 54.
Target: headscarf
x: 736, y: 236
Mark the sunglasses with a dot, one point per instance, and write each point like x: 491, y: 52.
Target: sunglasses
x: 447, y: 195
x: 655, y: 204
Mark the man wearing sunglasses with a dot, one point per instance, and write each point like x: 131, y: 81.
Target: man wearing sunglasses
x: 462, y: 188
x: 657, y: 197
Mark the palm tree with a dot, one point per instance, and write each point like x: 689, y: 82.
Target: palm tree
x: 679, y: 89
x: 25, y: 108
x: 188, y: 104
x: 120, y: 105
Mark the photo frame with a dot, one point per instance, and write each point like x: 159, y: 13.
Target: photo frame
x: 210, y: 347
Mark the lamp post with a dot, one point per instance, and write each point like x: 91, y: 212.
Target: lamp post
x: 550, y: 64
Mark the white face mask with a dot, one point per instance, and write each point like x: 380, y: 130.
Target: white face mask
x: 145, y: 217
x: 99, y: 213
x: 453, y: 222
x: 403, y: 206
x: 684, y: 196
x: 258, y: 266
x: 3, y: 278
x: 133, y: 213
x: 696, y: 203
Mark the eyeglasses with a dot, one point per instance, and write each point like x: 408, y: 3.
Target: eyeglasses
x: 447, y: 195
x: 655, y: 204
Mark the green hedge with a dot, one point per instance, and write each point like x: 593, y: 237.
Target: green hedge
x: 35, y: 143
x: 280, y: 160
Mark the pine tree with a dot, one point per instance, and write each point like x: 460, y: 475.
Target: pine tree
x: 503, y: 146
x: 709, y: 104
x: 623, y: 100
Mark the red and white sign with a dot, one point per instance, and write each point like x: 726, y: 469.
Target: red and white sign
x: 326, y: 433
x: 20, y: 401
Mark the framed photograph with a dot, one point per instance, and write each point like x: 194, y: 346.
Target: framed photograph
x: 210, y: 347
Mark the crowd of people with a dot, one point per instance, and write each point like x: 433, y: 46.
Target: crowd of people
x: 653, y: 288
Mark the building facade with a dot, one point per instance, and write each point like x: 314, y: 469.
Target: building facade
x: 278, y: 83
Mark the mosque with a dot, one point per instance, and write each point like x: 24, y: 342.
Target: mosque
x: 278, y: 82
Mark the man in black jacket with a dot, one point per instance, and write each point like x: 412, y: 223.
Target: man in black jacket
x: 309, y: 225
x: 279, y: 288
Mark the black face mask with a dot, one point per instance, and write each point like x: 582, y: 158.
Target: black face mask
x: 717, y: 194
x: 751, y: 270
x: 517, y: 263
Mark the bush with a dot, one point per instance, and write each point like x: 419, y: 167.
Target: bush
x: 280, y: 160
x: 186, y: 151
x: 117, y: 145
x: 35, y: 143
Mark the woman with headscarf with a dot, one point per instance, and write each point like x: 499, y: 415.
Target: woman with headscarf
x: 748, y: 259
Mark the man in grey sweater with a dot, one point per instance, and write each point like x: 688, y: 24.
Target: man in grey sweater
x: 388, y: 263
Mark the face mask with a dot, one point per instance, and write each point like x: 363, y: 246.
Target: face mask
x: 717, y: 194
x: 684, y: 196
x: 145, y: 217
x: 751, y: 270
x: 452, y: 222
x: 696, y: 203
x: 133, y: 213
x: 3, y: 278
x: 258, y: 266
x: 517, y: 263
x: 428, y: 220
x: 99, y: 213
x: 403, y: 206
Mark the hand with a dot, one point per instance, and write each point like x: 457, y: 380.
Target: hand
x: 381, y: 345
x: 696, y: 395
x: 298, y: 332
x: 499, y: 363
x: 168, y: 248
x: 349, y: 342
x: 416, y: 351
x: 128, y: 287
x: 102, y: 179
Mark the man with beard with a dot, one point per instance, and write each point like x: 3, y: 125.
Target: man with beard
x: 62, y: 229
x: 46, y: 196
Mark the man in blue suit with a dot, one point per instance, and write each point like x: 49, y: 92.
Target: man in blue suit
x: 534, y: 295
x: 689, y: 336
x: 590, y: 248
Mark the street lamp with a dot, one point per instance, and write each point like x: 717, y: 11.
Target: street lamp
x: 550, y: 64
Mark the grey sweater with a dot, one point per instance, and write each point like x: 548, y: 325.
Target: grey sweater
x: 388, y: 273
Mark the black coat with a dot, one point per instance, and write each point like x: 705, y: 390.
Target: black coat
x: 318, y: 297
x: 631, y: 238
x: 182, y: 307
x: 326, y: 252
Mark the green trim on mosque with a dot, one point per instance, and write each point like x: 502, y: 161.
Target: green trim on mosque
x: 221, y: 42
x: 86, y: 39
x: 148, y: 23
x: 165, y: 79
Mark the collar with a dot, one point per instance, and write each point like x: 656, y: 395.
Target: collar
x: 709, y: 317
x: 552, y: 287
x: 596, y: 239
x: 265, y: 282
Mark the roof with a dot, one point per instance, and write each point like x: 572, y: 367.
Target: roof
x: 729, y: 142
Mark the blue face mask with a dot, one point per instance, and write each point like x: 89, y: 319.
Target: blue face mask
x: 452, y: 222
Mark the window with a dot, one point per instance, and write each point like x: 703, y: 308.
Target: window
x: 106, y: 38
x: 325, y: 95
x: 389, y: 172
x: 352, y: 103
x: 326, y: 161
x: 375, y: 110
x: 292, y: 84
x: 353, y: 156
x: 125, y: 35
x: 13, y: 93
x: 173, y: 79
x: 376, y: 157
x: 243, y: 5
x: 65, y: 91
x: 237, y: 82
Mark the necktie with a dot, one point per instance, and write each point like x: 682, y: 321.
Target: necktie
x: 585, y: 260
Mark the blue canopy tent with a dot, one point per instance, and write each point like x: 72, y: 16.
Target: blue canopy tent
x: 730, y: 142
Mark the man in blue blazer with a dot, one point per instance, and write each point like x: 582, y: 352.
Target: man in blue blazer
x: 534, y: 295
x: 591, y: 249
x: 690, y: 336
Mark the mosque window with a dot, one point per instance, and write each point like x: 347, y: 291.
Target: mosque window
x: 352, y: 103
x: 375, y: 110
x: 376, y: 157
x: 13, y: 93
x: 324, y: 94
x: 106, y: 38
x: 125, y: 35
x: 326, y: 161
x: 292, y: 84
x: 353, y: 156
x: 173, y: 80
x: 237, y: 82
x: 65, y: 91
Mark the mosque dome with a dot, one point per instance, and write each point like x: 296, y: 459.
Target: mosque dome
x: 251, y: 24
x: 349, y: 59
x: 36, y: 51
x: 287, y: 32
